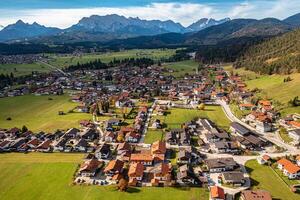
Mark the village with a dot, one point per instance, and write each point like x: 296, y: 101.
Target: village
x: 127, y: 103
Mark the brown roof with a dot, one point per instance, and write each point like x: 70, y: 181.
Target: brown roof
x: 115, y: 165
x: 256, y: 195
x: 217, y: 192
x: 90, y: 165
x: 136, y: 170
x: 141, y: 157
x: 158, y: 147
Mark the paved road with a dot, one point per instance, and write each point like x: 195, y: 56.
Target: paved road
x: 144, y: 132
x: 270, y: 136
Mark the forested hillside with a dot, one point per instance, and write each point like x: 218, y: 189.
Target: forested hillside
x: 277, y: 55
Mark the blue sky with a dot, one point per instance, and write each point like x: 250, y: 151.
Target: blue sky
x: 64, y: 13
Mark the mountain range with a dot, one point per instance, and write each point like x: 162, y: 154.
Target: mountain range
x: 119, y: 31
x: 101, y: 28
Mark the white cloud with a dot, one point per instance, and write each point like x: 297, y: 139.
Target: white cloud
x: 185, y: 13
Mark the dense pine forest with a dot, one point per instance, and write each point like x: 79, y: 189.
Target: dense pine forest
x: 277, y: 55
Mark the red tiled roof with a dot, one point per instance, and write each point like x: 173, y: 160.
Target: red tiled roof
x: 217, y: 192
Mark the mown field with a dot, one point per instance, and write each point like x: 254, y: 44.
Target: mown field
x: 263, y: 177
x: 38, y: 176
x: 177, y: 116
x: 181, y: 68
x: 23, y: 69
x: 39, y: 113
x: 155, y: 54
x: 273, y: 87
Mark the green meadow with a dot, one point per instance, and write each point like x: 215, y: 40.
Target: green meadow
x: 38, y: 176
x: 263, y: 177
x: 177, y: 116
x: 156, y: 54
x: 23, y: 69
x: 39, y: 113
x: 181, y: 68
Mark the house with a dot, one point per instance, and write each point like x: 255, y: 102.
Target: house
x: 81, y: 145
x: 71, y: 133
x: 109, y: 136
x: 289, y: 169
x: 44, y: 146
x: 263, y: 159
x: 103, y: 151
x: 89, y: 167
x: 89, y: 134
x: 17, y: 144
x: 143, y: 158
x: 135, y: 173
x: 123, y: 148
x: 113, y: 122
x: 159, y: 174
x: 60, y: 145
x: 226, y: 147
x: 185, y: 139
x: 234, y: 178
x: 33, y: 143
x: 114, y: 167
x: 186, y: 176
x: 217, y: 193
x: 247, y: 106
x: 295, y: 135
x: 184, y: 156
x: 171, y: 138
x: 220, y: 164
x: 216, y: 136
x: 4, y: 145
x: 255, y: 195
x: 132, y: 137
x: 239, y: 129
x: 158, y: 147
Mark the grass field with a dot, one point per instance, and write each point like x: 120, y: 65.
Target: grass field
x: 263, y: 177
x: 273, y: 87
x: 155, y: 54
x: 38, y: 113
x: 153, y: 135
x: 48, y: 177
x: 23, y: 69
x: 179, y: 116
x: 181, y: 68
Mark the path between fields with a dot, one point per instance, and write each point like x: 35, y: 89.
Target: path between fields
x: 53, y: 67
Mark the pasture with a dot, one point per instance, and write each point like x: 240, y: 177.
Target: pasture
x: 49, y: 177
x: 39, y: 113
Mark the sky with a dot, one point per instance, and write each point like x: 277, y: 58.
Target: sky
x: 64, y: 13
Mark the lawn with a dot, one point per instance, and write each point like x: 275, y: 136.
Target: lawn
x: 156, y: 54
x: 179, y: 116
x: 23, y: 69
x: 153, y: 135
x: 273, y: 87
x: 263, y: 177
x: 238, y: 112
x: 48, y: 177
x: 38, y: 113
x: 181, y: 68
